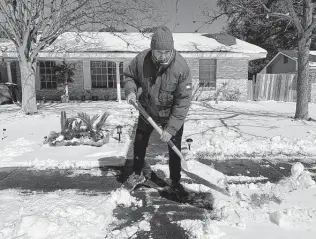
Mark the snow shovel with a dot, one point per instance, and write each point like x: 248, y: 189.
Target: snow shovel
x: 184, y: 165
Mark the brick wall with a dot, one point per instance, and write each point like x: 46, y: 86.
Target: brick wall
x: 232, y: 69
x: 194, y: 68
x: 235, y: 72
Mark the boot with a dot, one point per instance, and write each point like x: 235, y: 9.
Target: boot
x: 135, y: 179
x: 179, y: 189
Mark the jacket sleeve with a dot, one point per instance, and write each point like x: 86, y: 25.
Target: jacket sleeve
x: 131, y: 82
x: 181, y: 104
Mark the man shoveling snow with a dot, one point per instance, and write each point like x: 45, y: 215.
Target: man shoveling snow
x: 166, y: 83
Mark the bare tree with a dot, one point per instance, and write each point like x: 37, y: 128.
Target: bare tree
x: 299, y: 13
x: 33, y: 25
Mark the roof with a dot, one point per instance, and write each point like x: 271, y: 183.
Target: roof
x: 136, y: 42
x: 294, y: 54
x: 223, y: 38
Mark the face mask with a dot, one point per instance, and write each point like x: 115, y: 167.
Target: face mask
x: 162, y: 57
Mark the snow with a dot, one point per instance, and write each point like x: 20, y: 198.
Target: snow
x: 38, y: 215
x: 250, y: 130
x: 135, y: 42
x: 28, y: 149
x: 130, y: 231
x: 224, y: 131
x: 201, y: 230
x: 105, y: 41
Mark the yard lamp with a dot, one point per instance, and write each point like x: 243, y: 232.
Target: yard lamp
x: 189, y: 141
x: 119, y: 131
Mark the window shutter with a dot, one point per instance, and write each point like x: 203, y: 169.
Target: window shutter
x: 37, y: 77
x: 86, y: 75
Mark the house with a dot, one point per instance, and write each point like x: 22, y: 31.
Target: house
x: 285, y: 61
x: 101, y: 57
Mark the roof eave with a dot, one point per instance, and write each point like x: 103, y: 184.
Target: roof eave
x: 131, y: 54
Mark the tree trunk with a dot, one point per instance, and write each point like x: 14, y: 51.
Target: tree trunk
x: 303, y: 79
x: 28, y: 87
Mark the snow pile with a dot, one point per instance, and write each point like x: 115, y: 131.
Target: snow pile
x: 279, y: 218
x: 36, y: 215
x: 96, y: 172
x: 130, y: 231
x: 228, y: 143
x: 198, y: 229
x: 268, y: 203
x: 299, y: 179
x: 123, y: 197
x: 294, y: 217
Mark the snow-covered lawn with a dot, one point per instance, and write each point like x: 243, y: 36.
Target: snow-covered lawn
x: 24, y: 136
x: 250, y: 129
x: 223, y: 131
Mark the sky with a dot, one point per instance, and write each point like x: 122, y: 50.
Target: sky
x: 189, y: 10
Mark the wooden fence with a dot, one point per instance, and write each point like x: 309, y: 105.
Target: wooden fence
x: 278, y: 87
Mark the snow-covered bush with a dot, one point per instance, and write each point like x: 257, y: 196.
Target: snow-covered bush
x: 81, y: 129
x: 64, y: 73
x: 224, y: 93
x: 231, y: 95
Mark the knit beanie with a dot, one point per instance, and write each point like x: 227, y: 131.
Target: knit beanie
x: 162, y: 39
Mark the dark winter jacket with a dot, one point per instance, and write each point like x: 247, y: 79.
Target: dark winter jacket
x: 166, y: 92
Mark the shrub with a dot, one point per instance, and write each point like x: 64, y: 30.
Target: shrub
x: 81, y: 129
x: 231, y: 94
x: 225, y: 93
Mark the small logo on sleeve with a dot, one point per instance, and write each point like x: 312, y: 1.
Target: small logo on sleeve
x: 188, y: 86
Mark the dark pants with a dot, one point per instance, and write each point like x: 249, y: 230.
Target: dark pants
x: 142, y: 136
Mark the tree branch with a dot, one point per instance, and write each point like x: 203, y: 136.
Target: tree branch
x: 6, y: 11
x: 311, y: 28
x: 9, y: 35
x: 271, y: 13
x: 295, y: 18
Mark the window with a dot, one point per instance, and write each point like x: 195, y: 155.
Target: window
x: 285, y: 59
x: 103, y: 74
x: 47, y: 76
x: 207, y: 73
x: 15, y: 73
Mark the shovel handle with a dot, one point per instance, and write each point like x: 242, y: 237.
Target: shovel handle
x: 184, y: 165
x: 159, y: 130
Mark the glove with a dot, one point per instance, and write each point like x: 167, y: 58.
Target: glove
x: 131, y: 96
x: 165, y: 136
